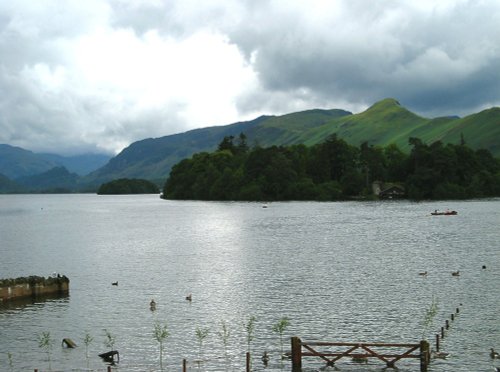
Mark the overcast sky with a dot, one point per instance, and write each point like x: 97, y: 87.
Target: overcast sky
x: 96, y: 75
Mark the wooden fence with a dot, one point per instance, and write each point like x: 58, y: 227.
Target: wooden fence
x: 359, y: 352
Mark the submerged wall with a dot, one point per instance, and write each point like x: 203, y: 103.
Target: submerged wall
x: 33, y: 286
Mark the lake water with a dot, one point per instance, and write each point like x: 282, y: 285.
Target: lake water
x: 345, y: 271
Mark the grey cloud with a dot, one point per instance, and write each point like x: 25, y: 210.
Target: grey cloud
x: 374, y: 52
x: 436, y: 58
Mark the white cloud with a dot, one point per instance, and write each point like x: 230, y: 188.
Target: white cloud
x: 97, y: 75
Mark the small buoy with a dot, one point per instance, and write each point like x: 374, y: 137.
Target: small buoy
x: 484, y: 267
x: 189, y: 297
x: 455, y: 273
x: 114, y: 283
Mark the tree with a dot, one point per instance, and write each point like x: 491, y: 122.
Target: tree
x: 201, y: 334
x: 279, y: 328
x: 45, y: 342
x: 242, y: 146
x: 160, y: 334
x: 109, y: 341
x: 87, y: 340
x: 396, y: 163
x: 227, y: 144
x: 128, y: 186
x: 249, y: 329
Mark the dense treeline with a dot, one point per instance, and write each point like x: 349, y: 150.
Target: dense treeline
x: 128, y: 186
x: 333, y: 170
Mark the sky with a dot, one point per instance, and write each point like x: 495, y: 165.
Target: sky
x: 95, y: 76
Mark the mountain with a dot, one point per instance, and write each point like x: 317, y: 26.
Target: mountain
x: 57, y: 179
x: 153, y: 158
x: 383, y: 123
x: 79, y: 164
x: 16, y: 162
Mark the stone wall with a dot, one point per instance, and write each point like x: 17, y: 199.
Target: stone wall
x: 33, y: 286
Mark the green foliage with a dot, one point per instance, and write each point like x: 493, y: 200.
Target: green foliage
x: 280, y: 328
x: 249, y: 329
x: 160, y: 334
x: 201, y: 334
x: 430, y: 314
x: 87, y: 340
x: 109, y: 340
x: 334, y: 170
x: 45, y: 342
x: 128, y: 186
x: 224, y: 334
x: 10, y: 361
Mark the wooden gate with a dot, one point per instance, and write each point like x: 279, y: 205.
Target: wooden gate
x: 389, y: 353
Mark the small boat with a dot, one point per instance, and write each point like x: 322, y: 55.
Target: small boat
x: 445, y: 213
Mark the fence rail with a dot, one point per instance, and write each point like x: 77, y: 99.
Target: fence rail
x: 359, y: 351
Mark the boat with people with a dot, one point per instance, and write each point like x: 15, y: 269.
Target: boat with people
x: 444, y: 213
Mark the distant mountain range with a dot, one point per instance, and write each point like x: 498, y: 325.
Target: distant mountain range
x: 383, y: 123
x: 23, y: 170
x: 16, y: 162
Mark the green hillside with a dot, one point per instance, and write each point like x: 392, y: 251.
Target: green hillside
x: 384, y: 123
x: 154, y: 157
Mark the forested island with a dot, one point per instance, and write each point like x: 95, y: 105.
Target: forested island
x: 124, y: 186
x: 334, y: 170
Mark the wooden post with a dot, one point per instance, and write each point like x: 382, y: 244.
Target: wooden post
x: 452, y: 317
x: 109, y: 368
x: 447, y: 324
x: 437, y: 342
x: 442, y: 332
x: 424, y: 355
x: 248, y: 362
x: 458, y: 310
x: 184, y: 365
x: 296, y: 354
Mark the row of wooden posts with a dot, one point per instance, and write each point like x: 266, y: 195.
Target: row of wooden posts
x: 441, y: 334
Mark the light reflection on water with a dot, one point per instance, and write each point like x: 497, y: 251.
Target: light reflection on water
x: 338, y: 271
